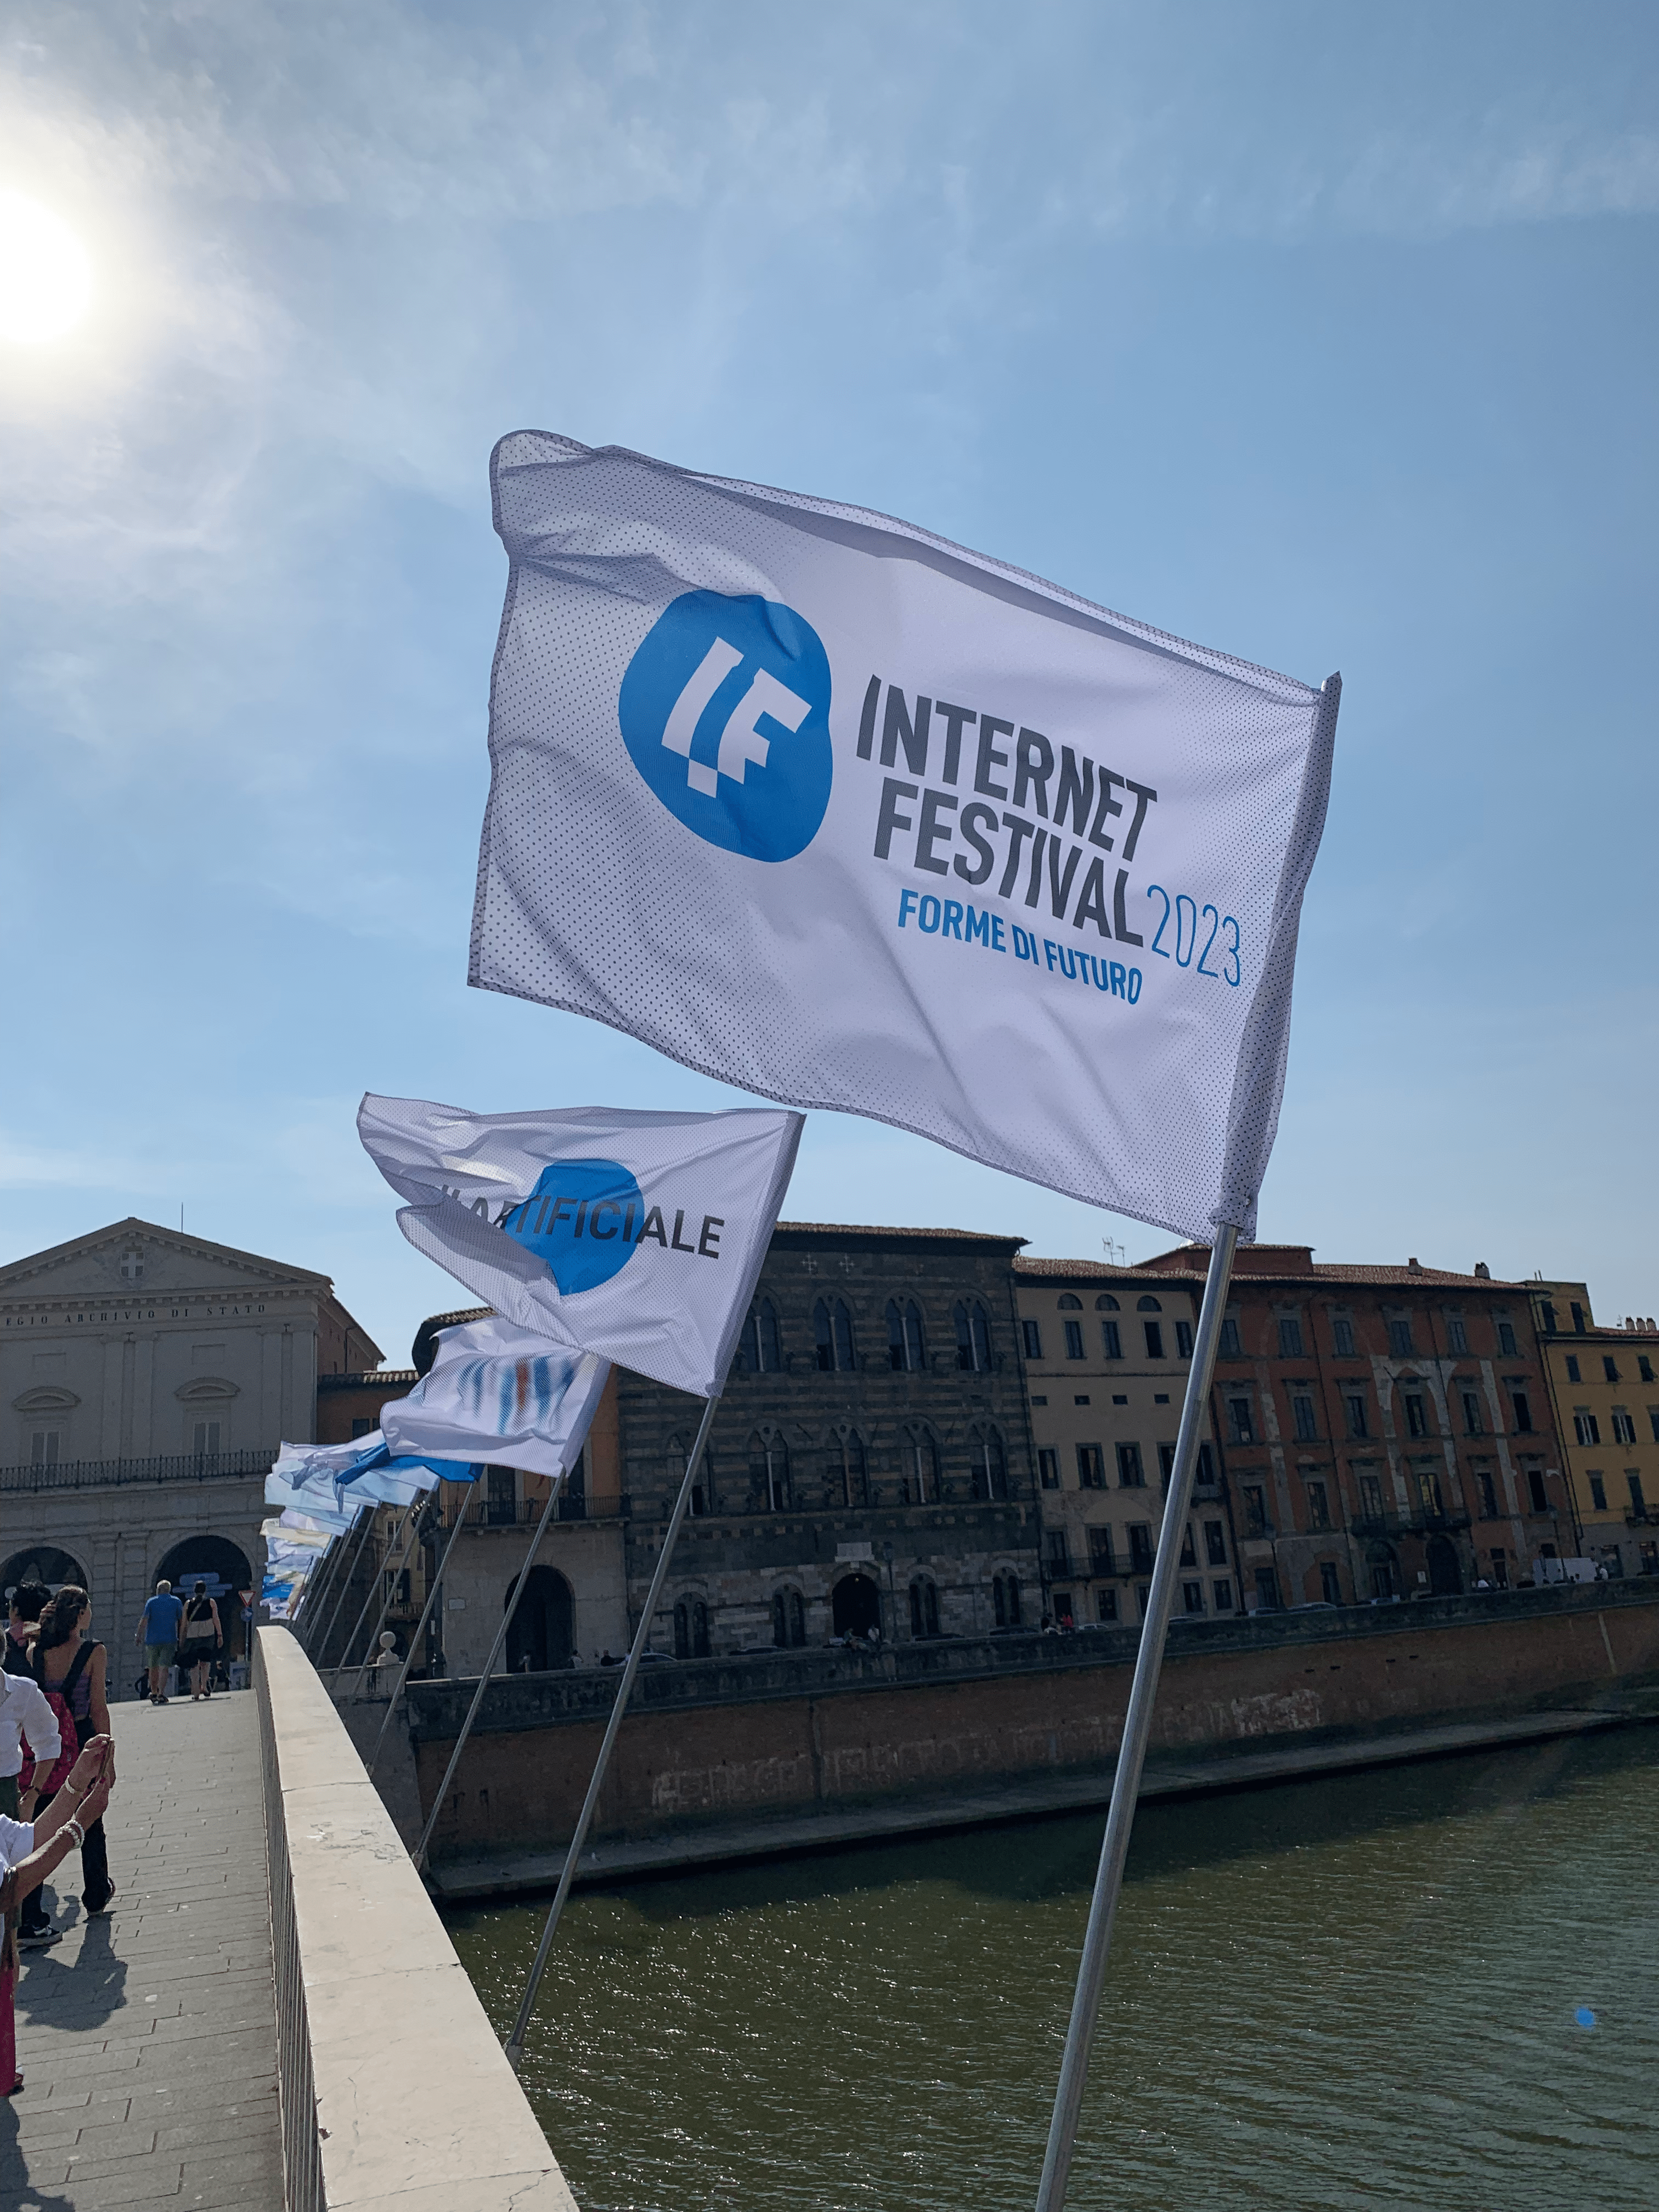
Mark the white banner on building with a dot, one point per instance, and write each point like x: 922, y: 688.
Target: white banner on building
x: 636, y: 1237
x: 836, y: 810
x: 499, y: 1395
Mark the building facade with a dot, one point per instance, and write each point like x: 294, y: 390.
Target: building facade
x: 1604, y: 1387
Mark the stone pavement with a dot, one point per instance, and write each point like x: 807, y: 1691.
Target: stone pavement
x: 148, y: 2037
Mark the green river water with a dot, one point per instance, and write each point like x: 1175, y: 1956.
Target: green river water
x: 1430, y: 1986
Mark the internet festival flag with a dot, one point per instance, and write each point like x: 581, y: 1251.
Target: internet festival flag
x: 832, y: 809
x: 636, y: 1237
x: 498, y: 1394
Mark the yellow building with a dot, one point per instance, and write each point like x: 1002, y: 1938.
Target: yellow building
x: 1604, y: 1384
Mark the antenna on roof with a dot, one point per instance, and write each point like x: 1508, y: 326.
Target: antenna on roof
x: 1117, y: 1253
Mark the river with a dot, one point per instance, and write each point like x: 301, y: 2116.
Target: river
x: 1426, y: 1986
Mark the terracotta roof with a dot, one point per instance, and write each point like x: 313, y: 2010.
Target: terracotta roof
x: 402, y: 1376
x: 887, y: 1229
x: 1322, y: 1272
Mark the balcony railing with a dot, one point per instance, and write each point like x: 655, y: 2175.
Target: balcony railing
x: 1421, y: 1523
x: 508, y: 1512
x: 106, y: 1474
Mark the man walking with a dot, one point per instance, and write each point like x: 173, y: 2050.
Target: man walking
x: 159, y: 1627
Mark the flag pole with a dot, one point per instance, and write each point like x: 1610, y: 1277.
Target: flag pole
x: 409, y: 1532
x: 514, y: 2044
x: 368, y: 1600
x: 419, y: 1853
x: 345, y: 1584
x: 1137, y: 1726
x: 420, y: 1629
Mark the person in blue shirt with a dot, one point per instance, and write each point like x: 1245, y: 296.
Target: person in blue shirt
x: 159, y: 1627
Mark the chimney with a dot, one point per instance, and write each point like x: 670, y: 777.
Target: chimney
x: 1483, y: 1272
x: 1416, y: 1267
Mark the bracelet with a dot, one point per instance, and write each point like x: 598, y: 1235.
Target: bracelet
x: 74, y: 1828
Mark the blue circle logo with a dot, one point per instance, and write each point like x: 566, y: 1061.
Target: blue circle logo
x: 582, y: 1220
x: 724, y: 710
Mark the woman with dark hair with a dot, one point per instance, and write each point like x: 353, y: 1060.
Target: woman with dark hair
x: 28, y: 1852
x: 202, y: 1638
x: 70, y: 1666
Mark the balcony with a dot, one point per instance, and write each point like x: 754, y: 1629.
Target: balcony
x: 1642, y: 1516
x: 506, y: 1512
x: 1421, y: 1523
x: 111, y: 1473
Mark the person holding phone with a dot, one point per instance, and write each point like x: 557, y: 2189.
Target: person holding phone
x: 29, y: 1851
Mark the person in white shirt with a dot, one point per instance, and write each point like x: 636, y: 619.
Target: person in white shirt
x: 24, y: 1712
x: 28, y: 1852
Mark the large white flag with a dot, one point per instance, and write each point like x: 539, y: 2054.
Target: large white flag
x: 499, y: 1394
x: 835, y: 810
x: 637, y: 1237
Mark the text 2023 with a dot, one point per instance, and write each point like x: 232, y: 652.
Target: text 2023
x: 1187, y: 935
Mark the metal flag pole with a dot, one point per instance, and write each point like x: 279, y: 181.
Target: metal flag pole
x: 514, y: 2044
x: 1137, y: 1726
x: 420, y: 1851
x: 315, y: 1653
x: 368, y: 1600
x: 420, y: 1631
x: 410, y: 1530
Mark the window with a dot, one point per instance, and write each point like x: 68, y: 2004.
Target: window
x: 1005, y: 1599
x: 973, y: 1337
x: 1416, y: 1422
x: 1400, y: 1337
x: 1598, y: 1493
x: 43, y: 1446
x: 1633, y: 1484
x: 1624, y: 1429
x: 207, y: 1440
x: 1267, y: 1590
x: 1473, y: 1425
x: 1068, y: 1304
x: 1183, y: 1339
x: 1165, y: 1463
x: 1540, y: 1503
x: 1056, y: 1551
x: 1205, y: 1467
x: 1342, y: 1336
x: 1140, y: 1547
x: 1033, y: 1339
x: 1522, y: 1412
x: 1371, y: 1498
x: 1106, y: 1302
x: 1188, y: 1548
x: 691, y: 1629
x: 1256, y: 1510
x: 1154, y: 1339
x: 362, y: 1424
x: 1130, y: 1473
x: 989, y: 1463
x: 1506, y: 1339
x: 395, y: 1586
x: 1650, y: 1559
x: 906, y: 1352
x: 1241, y: 1420
x: 757, y: 1346
x: 1319, y: 1506
x: 1609, y: 1369
x: 1578, y: 1313
x: 919, y: 1467
x: 1457, y: 1337
x: 1074, y: 1339
x: 1048, y: 1469
x: 1573, y: 1375
x: 924, y: 1607
x: 1192, y: 1597
x: 1307, y: 1428
x: 1586, y: 1428
x: 1488, y: 1491
x: 1330, y: 1584
x: 1149, y: 1304
x: 702, y: 1494
x: 832, y: 1332
x: 1105, y: 1606
x: 1100, y: 1550
x: 1111, y: 1340
x: 788, y: 1620
x: 1215, y: 1544
x: 1092, y: 1466
x: 1222, y: 1594
x: 1290, y: 1337
x: 1228, y: 1347
x: 1644, y: 1367
x: 768, y: 1471
x: 848, y: 1474
x: 1548, y: 1312
x: 1500, y: 1566
x: 1653, y: 1422
x: 500, y: 1496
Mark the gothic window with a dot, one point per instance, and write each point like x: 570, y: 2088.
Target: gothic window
x: 989, y: 1463
x: 768, y: 1470
x: 919, y: 1467
x: 832, y: 1329
x: 924, y: 1607
x: 973, y: 1336
x: 788, y: 1620
x: 758, y: 1352
x: 1005, y: 1599
x: 691, y: 1629
x: 906, y: 1350
x: 848, y: 1478
x: 702, y: 1489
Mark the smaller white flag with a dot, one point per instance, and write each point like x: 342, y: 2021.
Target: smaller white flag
x: 638, y: 1237
x: 501, y: 1395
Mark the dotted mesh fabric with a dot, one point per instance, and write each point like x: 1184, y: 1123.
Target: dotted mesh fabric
x: 792, y: 980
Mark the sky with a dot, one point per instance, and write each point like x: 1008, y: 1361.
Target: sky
x: 1321, y: 334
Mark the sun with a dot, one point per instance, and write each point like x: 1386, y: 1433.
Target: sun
x: 45, y: 278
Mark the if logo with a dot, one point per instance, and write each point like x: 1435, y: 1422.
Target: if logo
x: 724, y: 710
x: 587, y: 1219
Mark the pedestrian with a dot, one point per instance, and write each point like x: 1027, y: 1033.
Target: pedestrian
x: 29, y: 1849
x: 202, y: 1638
x: 28, y: 1601
x: 159, y: 1627
x: 24, y: 1712
x: 70, y: 1666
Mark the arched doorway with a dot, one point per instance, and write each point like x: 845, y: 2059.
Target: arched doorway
x: 856, y: 1606
x: 1384, y: 1570
x: 1445, y: 1576
x: 223, y: 1566
x: 541, y: 1635
x: 41, y: 1563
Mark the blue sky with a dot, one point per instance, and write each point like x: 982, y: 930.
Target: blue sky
x: 1321, y: 334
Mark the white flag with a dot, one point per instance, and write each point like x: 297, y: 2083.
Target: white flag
x: 637, y: 1237
x: 498, y: 1394
x: 836, y: 810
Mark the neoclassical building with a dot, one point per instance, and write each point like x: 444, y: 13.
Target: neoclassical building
x: 147, y: 1377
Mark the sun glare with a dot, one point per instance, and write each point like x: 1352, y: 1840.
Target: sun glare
x: 46, y: 278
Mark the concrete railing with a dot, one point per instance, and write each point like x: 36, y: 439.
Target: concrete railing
x: 394, y: 2090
